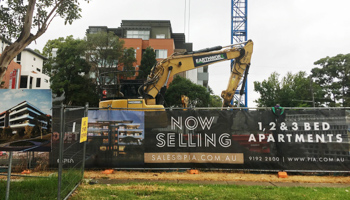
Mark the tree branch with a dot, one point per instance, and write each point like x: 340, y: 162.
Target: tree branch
x: 28, y: 20
x: 58, y: 3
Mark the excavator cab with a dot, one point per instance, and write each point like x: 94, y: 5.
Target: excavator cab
x: 117, y: 85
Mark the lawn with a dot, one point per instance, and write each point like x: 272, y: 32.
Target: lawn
x: 36, y: 188
x: 195, y: 191
x: 31, y: 188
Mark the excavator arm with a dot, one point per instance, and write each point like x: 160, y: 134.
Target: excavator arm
x: 157, y: 81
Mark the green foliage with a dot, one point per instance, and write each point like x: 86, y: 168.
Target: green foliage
x: 48, y: 51
x: 13, y: 13
x: 70, y: 73
x: 198, y: 95
x: 25, y: 21
x: 127, y: 60
x: 334, y: 78
x: 294, y: 90
x: 6, y: 133
x: 147, y: 62
x: 105, y: 51
x: 215, y: 101
x: 2, y: 83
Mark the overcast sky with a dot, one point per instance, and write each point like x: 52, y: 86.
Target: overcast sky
x: 289, y: 35
x: 41, y: 99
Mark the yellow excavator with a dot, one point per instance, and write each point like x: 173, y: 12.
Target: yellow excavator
x: 153, y: 89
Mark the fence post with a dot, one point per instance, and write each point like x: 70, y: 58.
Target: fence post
x: 84, y: 145
x: 60, y: 157
x: 9, y: 177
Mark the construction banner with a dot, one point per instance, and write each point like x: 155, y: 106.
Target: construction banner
x: 274, y: 139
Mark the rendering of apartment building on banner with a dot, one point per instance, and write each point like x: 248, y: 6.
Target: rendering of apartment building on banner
x: 25, y: 71
x: 22, y: 115
x: 158, y: 34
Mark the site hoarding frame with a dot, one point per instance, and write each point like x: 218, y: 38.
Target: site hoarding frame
x: 138, y: 163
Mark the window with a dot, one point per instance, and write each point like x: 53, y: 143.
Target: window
x: 138, y: 34
x: 34, y: 58
x: 161, y: 53
x: 30, y: 82
x: 37, y: 69
x: 24, y: 80
x: 160, y: 36
x: 205, y: 69
x: 54, y: 52
x: 19, y: 58
x: 38, y: 80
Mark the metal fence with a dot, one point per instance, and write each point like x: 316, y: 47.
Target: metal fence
x: 290, y: 139
x: 67, y: 149
x: 67, y: 156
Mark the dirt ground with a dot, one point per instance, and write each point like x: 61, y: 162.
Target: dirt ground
x: 204, y: 176
x: 217, y: 176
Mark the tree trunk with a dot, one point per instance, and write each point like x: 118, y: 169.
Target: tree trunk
x: 11, y: 52
x: 22, y: 42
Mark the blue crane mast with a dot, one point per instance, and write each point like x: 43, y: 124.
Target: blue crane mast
x: 239, y: 16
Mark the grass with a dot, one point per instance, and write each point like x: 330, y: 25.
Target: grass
x: 194, y: 191
x: 41, y: 188
x: 31, y: 188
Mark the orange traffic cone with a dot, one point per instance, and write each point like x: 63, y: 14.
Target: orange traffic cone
x: 27, y: 171
x: 193, y: 171
x: 282, y: 175
x: 108, y: 171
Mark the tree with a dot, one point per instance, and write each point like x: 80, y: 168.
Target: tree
x: 334, y: 78
x: 48, y: 50
x: 198, y: 95
x: 147, y: 62
x: 294, y: 90
x: 127, y: 61
x: 18, y: 18
x: 105, y: 51
x: 215, y: 100
x: 268, y: 90
x: 70, y: 73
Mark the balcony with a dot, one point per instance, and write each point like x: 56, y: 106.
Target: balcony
x: 24, y: 109
x: 25, y: 116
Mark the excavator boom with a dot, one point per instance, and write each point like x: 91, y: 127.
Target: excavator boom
x: 157, y: 80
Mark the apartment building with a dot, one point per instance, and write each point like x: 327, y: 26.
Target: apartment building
x: 25, y: 71
x: 158, y: 34
x: 22, y: 115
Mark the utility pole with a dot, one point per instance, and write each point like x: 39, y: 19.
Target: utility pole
x: 312, y: 93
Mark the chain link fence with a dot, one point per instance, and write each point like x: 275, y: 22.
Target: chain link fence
x: 65, y: 163
x: 67, y: 150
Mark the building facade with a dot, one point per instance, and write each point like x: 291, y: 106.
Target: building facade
x: 22, y: 115
x: 25, y: 71
x: 158, y: 34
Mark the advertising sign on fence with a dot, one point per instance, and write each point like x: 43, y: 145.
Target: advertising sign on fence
x: 83, y: 131
x: 242, y: 139
x: 25, y: 120
x: 279, y: 139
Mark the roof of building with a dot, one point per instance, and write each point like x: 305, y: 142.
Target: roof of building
x: 179, y: 38
x: 26, y: 49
